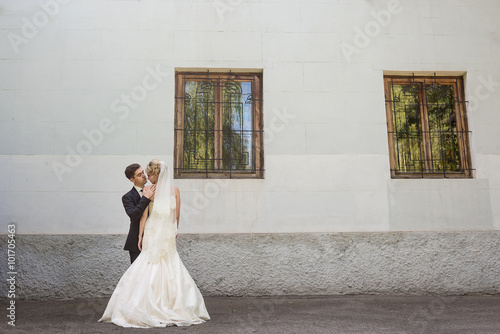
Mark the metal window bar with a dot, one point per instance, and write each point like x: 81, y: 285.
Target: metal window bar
x: 426, y: 136
x: 238, y: 161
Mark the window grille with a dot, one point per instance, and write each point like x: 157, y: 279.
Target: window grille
x: 218, y: 125
x: 427, y: 127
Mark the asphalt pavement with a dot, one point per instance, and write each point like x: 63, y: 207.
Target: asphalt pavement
x: 374, y: 314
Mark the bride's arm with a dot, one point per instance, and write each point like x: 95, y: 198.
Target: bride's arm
x: 142, y: 224
x: 177, y: 205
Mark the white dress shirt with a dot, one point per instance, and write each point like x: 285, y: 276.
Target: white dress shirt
x: 139, y: 190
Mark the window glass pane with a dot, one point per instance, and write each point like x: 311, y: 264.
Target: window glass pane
x: 237, y: 120
x: 407, y: 128
x: 427, y: 126
x: 218, y: 125
x: 443, y: 127
x: 199, y: 113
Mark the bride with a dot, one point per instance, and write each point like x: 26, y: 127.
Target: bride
x: 157, y: 290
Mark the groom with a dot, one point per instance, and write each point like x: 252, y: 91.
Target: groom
x: 135, y: 202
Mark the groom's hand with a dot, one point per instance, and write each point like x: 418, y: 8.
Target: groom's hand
x: 149, y: 192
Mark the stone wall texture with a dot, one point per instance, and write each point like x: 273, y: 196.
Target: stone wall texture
x: 82, y: 266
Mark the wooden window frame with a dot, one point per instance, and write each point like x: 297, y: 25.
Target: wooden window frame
x: 462, y: 127
x: 257, y: 127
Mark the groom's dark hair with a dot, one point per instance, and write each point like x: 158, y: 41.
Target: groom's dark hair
x: 130, y: 170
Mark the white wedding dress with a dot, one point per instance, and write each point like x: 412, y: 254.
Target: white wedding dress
x: 157, y: 290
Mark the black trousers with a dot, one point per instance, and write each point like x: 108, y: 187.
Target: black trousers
x: 133, y: 256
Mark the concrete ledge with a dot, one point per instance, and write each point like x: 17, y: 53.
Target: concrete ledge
x: 88, y: 266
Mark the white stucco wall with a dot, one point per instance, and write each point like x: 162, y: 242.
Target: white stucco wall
x: 326, y: 161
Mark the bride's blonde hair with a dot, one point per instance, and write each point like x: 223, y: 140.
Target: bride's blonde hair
x: 153, y: 167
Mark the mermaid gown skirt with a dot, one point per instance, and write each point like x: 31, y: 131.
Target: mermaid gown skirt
x: 156, y: 290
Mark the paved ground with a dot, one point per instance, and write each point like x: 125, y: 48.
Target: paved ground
x: 292, y: 314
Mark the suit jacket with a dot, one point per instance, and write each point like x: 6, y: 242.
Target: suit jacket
x: 135, y: 205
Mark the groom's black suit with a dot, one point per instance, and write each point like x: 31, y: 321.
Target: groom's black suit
x: 135, y: 205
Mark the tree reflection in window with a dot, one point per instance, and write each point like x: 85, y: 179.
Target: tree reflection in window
x: 199, y: 116
x: 427, y: 127
x: 218, y: 127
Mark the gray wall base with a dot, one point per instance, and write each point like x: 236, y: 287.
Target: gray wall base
x: 85, y: 266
